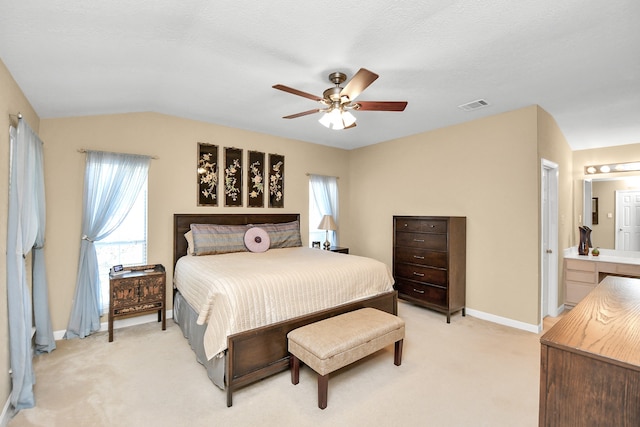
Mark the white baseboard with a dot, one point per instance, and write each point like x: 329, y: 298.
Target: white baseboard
x: 536, y: 329
x: 121, y: 323
x: 560, y: 310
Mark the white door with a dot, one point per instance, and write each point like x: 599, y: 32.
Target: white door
x: 549, y: 240
x: 628, y: 220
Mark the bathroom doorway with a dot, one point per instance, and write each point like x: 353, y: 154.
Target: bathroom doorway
x: 549, y: 240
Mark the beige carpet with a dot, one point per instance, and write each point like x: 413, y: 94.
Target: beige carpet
x: 467, y: 373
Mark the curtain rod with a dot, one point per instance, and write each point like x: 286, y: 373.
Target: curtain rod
x: 18, y: 116
x: 84, y: 150
x: 317, y: 174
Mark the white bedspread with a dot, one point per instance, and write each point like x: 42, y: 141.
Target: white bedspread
x: 240, y: 291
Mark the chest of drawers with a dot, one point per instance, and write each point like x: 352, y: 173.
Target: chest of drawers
x: 589, y: 360
x: 429, y: 261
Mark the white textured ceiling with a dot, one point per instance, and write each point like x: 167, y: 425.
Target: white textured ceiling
x: 216, y: 61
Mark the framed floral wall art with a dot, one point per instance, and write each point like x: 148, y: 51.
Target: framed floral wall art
x: 232, y: 176
x: 276, y: 181
x: 255, y: 179
x: 207, y: 174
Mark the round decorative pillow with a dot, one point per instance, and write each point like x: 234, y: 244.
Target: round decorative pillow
x: 256, y: 239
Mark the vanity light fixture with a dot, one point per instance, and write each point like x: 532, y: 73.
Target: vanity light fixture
x: 612, y: 167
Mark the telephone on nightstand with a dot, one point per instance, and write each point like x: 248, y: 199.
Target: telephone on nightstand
x: 118, y: 269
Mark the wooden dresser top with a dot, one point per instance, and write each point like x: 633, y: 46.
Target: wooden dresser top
x: 605, y: 325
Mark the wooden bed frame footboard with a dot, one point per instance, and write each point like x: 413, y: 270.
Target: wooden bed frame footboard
x: 258, y: 353
x: 261, y: 352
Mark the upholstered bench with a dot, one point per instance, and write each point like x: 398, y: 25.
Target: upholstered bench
x: 333, y: 343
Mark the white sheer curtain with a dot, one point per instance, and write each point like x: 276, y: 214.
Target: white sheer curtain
x: 323, y: 194
x: 26, y: 218
x: 111, y: 185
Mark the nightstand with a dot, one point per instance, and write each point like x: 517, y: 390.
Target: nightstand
x: 137, y: 290
x: 339, y: 249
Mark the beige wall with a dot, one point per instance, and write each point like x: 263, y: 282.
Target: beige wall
x: 172, y: 181
x: 12, y: 101
x: 486, y: 170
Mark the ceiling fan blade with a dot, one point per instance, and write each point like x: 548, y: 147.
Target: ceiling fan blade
x: 297, y: 92
x: 352, y: 126
x: 381, y: 105
x: 358, y: 83
x: 304, y: 113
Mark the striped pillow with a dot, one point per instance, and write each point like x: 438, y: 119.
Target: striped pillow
x: 284, y: 235
x: 211, y: 239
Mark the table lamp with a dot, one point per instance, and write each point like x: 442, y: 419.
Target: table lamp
x: 327, y: 224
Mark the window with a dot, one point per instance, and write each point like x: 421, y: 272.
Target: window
x: 127, y: 245
x: 323, y: 200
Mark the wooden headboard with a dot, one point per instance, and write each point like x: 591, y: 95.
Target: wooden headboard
x: 182, y: 224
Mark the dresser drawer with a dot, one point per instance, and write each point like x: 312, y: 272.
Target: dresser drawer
x: 421, y: 256
x: 628, y: 270
x: 576, y: 292
x: 151, y: 289
x: 426, y: 293
x: 436, y: 242
x: 124, y: 292
x: 435, y: 276
x: 581, y: 276
x: 422, y: 225
x: 576, y: 264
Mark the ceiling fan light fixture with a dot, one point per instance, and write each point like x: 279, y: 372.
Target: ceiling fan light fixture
x: 325, y: 120
x: 337, y: 119
x: 338, y: 101
x: 348, y: 119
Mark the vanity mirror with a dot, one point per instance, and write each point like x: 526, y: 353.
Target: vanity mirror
x: 618, y: 211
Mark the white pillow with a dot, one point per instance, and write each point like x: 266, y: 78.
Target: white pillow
x: 189, y: 236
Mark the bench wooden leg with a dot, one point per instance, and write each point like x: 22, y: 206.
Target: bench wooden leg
x: 323, y: 386
x: 397, y: 355
x: 294, y: 365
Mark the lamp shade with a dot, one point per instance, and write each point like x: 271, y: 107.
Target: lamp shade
x: 327, y: 223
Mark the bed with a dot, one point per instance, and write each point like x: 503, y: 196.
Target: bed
x: 250, y: 350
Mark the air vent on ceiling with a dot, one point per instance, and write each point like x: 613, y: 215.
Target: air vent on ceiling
x: 474, y: 105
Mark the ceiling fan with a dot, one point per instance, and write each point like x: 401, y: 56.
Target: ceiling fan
x: 337, y: 102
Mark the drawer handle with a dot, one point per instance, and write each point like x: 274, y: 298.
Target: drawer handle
x: 418, y: 257
x: 418, y: 240
x: 418, y: 274
x: 418, y: 291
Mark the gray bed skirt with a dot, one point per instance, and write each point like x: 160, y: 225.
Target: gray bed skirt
x: 185, y: 316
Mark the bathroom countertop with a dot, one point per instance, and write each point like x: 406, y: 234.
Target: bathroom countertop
x: 606, y: 255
